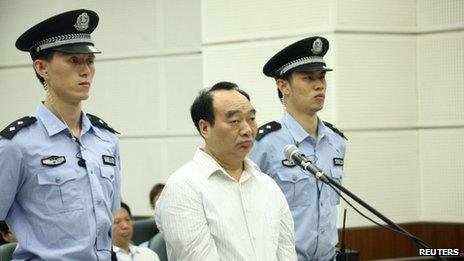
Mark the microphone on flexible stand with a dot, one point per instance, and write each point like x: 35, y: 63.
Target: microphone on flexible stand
x: 291, y: 153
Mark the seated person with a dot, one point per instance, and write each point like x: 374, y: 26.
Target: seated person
x: 155, y: 192
x: 122, y: 234
x: 6, y: 235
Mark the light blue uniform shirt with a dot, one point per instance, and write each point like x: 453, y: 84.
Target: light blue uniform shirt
x: 312, y: 203
x: 60, y: 212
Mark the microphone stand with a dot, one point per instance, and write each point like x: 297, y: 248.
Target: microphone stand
x: 332, y: 183
x: 341, y: 253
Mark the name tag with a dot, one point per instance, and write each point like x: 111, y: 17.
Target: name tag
x: 338, y: 161
x: 109, y: 160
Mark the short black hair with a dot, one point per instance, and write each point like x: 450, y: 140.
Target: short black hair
x: 4, y: 227
x: 155, y: 190
x: 126, y: 207
x: 287, y: 77
x: 202, y: 107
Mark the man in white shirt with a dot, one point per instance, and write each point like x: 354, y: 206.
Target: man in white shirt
x: 122, y: 234
x: 220, y: 206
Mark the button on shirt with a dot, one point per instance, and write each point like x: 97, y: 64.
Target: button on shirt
x: 312, y: 203
x: 54, y: 211
x: 205, y: 214
x: 136, y: 253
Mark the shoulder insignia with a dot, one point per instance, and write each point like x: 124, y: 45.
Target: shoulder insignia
x: 267, y: 128
x: 97, y: 122
x: 11, y: 130
x: 330, y: 126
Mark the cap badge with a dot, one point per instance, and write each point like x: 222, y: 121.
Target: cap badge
x: 82, y: 22
x: 317, y: 46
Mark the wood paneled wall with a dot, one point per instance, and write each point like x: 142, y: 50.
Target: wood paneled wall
x: 378, y: 243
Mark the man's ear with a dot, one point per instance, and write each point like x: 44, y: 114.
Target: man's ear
x: 283, y: 86
x: 204, y: 128
x: 41, y: 67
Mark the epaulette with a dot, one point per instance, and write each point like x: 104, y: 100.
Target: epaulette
x: 10, y: 131
x: 267, y: 128
x: 97, y: 122
x: 330, y: 126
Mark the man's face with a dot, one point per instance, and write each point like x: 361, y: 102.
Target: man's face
x: 122, y: 228
x: 8, y: 237
x: 234, y: 129
x: 305, y: 92
x: 70, y: 76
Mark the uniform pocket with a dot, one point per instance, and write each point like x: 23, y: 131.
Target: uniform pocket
x: 107, y: 173
x: 296, y: 186
x: 336, y: 174
x: 107, y: 177
x: 59, y: 189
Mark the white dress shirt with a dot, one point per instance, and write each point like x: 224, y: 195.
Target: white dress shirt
x: 136, y: 253
x: 205, y: 214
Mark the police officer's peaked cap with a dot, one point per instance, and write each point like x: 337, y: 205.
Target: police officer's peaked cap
x: 304, y: 56
x: 68, y: 32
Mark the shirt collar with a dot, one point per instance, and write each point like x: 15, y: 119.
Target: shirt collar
x: 86, y: 125
x: 209, y: 166
x: 52, y: 124
x: 298, y: 132
x: 132, y: 249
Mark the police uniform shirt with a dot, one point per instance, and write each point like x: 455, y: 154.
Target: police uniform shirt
x: 58, y: 208
x: 312, y: 203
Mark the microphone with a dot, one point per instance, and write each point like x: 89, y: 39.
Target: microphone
x: 81, y: 162
x: 291, y: 153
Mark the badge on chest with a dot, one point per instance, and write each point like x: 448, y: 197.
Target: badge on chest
x: 53, y: 161
x: 109, y: 160
x: 338, y: 161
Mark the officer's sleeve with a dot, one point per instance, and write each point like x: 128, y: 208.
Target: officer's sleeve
x: 180, y: 215
x: 116, y: 204
x: 10, y: 168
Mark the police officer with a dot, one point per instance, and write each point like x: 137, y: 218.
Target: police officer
x: 299, y: 72
x: 59, y: 168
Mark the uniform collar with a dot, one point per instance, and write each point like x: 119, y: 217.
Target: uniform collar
x: 298, y: 132
x: 52, y: 124
x: 209, y: 166
x: 87, y: 126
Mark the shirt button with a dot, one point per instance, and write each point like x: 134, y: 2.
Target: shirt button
x: 99, y: 202
x: 57, y: 180
x: 322, y: 232
x: 294, y: 178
